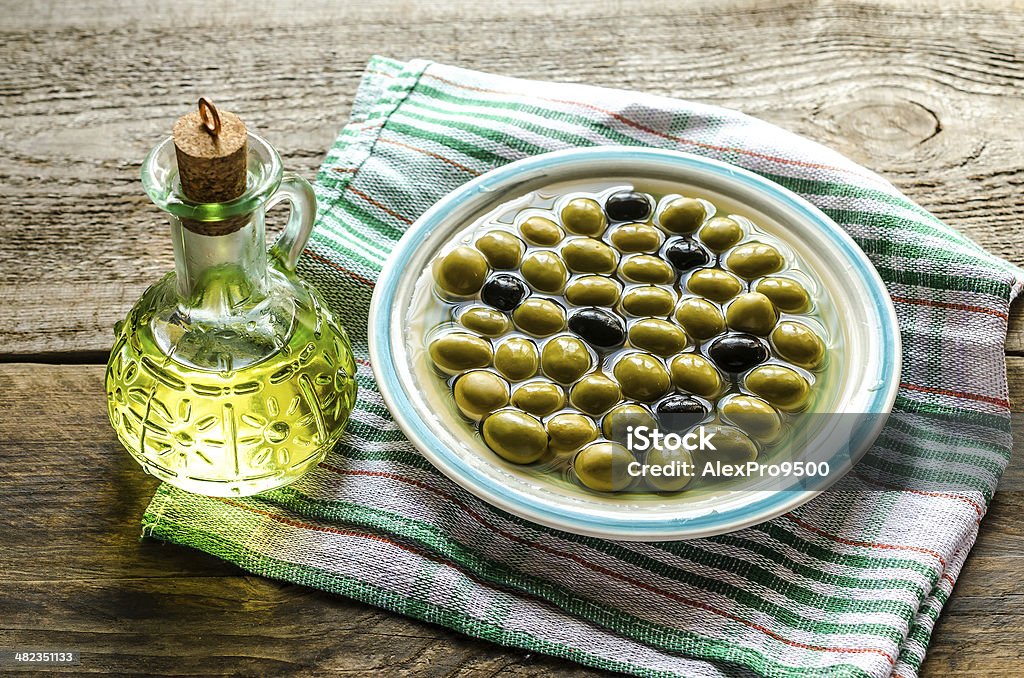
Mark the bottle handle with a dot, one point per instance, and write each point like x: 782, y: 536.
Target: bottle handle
x: 302, y: 199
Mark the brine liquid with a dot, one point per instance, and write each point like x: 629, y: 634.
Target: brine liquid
x: 435, y: 315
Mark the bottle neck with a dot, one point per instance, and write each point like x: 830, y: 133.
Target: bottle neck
x: 218, y: 274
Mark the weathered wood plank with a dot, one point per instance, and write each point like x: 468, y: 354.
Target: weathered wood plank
x: 72, y: 498
x: 919, y: 94
x: 73, y: 572
x: 1015, y: 331
x: 247, y: 626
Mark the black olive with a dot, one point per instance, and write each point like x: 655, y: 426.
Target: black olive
x: 682, y: 404
x: 680, y: 412
x: 686, y: 255
x: 504, y: 292
x: 598, y: 328
x: 738, y: 352
x: 627, y: 206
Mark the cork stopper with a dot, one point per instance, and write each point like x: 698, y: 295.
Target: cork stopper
x: 212, y: 152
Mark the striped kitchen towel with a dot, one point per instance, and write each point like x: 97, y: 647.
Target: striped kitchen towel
x: 849, y: 584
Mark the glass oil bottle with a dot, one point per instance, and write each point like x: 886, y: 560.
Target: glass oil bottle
x: 229, y: 376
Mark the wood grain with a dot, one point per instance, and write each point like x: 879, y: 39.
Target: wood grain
x: 926, y: 95
x: 922, y: 96
x: 74, y: 574
x: 245, y: 626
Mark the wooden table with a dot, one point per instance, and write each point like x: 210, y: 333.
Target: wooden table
x: 929, y: 98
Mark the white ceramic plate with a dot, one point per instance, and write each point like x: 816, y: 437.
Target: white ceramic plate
x: 864, y: 325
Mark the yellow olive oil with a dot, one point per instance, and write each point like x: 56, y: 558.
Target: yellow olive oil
x: 231, y: 432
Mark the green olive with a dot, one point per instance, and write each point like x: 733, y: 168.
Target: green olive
x: 645, y: 268
x: 754, y: 259
x: 616, y: 424
x: 657, y: 336
x: 570, y: 431
x: 478, y: 393
x: 693, y: 373
x: 539, y: 397
x: 583, y: 216
x: 461, y: 272
x: 732, y: 446
x: 545, y: 271
x: 593, y: 290
x: 460, y: 351
x: 502, y: 250
x: 642, y: 377
x: 720, y: 233
x: 798, y: 344
x: 751, y: 312
x: 714, y: 284
x: 587, y: 255
x: 595, y: 394
x: 485, y: 321
x: 630, y: 238
x: 787, y: 295
x: 649, y: 300
x: 679, y: 460
x: 516, y: 358
x: 682, y: 215
x: 604, y: 467
x: 516, y: 436
x: 701, y: 319
x: 784, y: 388
x: 539, y: 317
x: 565, y: 359
x: 753, y: 416
x: 541, y: 231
